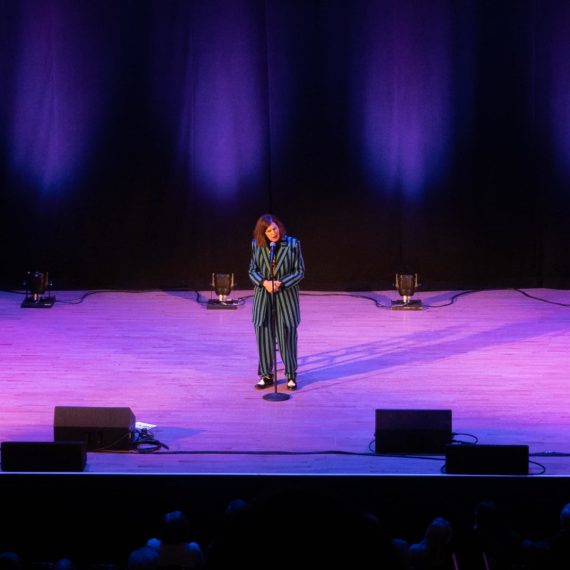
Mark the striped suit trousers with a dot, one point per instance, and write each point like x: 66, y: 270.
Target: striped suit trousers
x: 287, y: 339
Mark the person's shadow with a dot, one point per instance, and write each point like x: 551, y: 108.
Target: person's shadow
x: 418, y: 347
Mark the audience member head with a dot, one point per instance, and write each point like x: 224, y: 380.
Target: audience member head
x: 64, y: 564
x: 10, y: 561
x: 236, y: 506
x: 486, y: 515
x: 438, y: 533
x: 565, y: 517
x: 175, y: 528
x: 144, y: 558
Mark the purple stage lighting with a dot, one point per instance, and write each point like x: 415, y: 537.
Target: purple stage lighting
x: 57, y: 92
x: 555, y: 90
x: 403, y: 94
x: 217, y: 109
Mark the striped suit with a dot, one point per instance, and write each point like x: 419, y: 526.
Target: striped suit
x: 289, y: 269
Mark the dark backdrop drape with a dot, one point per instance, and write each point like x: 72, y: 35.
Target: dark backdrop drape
x: 141, y: 139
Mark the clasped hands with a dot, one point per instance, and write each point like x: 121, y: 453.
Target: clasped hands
x: 272, y: 286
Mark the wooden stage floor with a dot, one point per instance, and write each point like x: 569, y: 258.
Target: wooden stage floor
x: 498, y: 359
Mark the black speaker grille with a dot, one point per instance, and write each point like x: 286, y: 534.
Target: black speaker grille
x: 43, y: 456
x: 487, y: 459
x: 99, y: 428
x: 412, y: 431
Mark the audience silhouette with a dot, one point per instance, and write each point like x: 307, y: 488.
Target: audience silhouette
x: 174, y: 545
x: 296, y: 527
x: 434, y: 552
x: 144, y: 558
x: 10, y: 561
x: 291, y: 528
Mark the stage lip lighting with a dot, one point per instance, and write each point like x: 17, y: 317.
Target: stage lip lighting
x: 37, y: 283
x: 406, y: 285
x: 222, y: 285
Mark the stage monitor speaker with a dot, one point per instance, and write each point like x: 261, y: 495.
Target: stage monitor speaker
x: 101, y: 429
x: 486, y: 459
x: 412, y: 431
x: 43, y: 456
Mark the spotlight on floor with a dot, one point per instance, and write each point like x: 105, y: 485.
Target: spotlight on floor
x: 222, y: 286
x: 406, y: 284
x: 37, y: 284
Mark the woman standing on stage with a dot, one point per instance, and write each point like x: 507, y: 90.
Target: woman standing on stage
x: 275, y: 269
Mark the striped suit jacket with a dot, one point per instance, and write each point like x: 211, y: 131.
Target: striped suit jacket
x: 289, y: 269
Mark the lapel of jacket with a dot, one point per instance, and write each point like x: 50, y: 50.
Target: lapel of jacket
x: 281, y: 254
x: 264, y: 254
